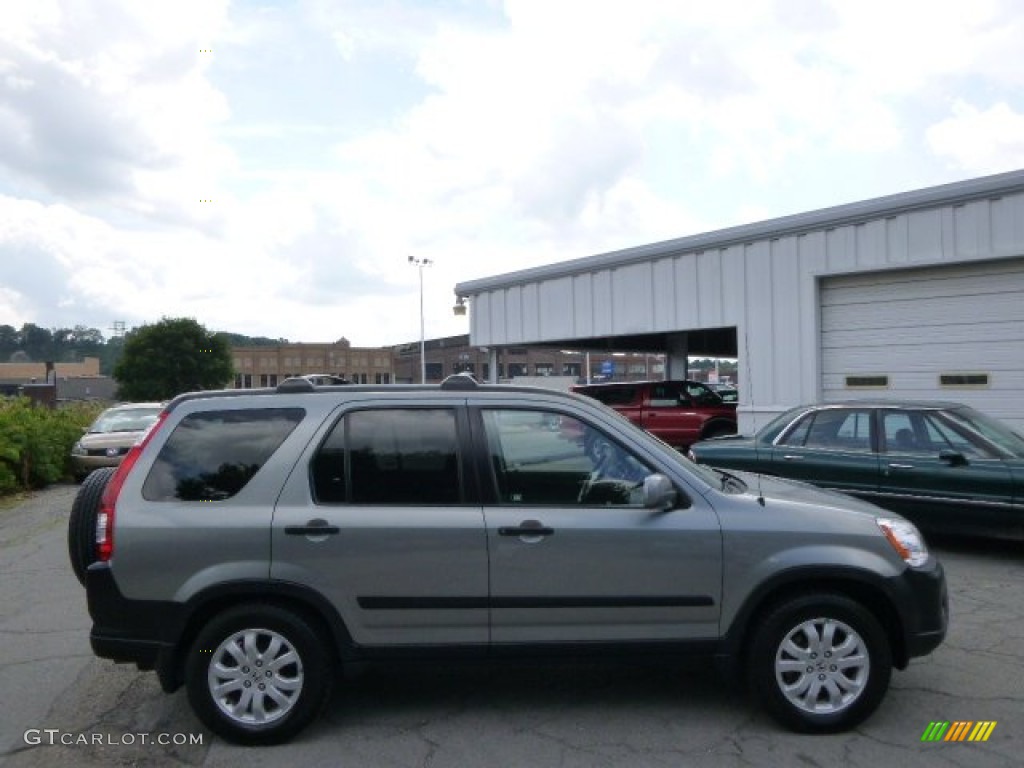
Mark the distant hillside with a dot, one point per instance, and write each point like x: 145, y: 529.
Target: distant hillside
x: 33, y: 343
x: 241, y: 340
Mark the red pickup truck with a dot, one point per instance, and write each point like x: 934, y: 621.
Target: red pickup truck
x: 678, y: 412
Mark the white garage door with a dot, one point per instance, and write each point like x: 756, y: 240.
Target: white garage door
x: 950, y: 333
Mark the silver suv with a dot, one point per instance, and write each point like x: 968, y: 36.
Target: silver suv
x: 255, y: 542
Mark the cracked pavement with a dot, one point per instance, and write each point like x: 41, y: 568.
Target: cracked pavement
x: 433, y: 716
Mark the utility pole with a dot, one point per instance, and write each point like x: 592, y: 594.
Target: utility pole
x: 420, y: 263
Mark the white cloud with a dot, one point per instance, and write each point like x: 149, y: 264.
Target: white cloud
x: 337, y: 137
x: 980, y: 141
x: 108, y: 102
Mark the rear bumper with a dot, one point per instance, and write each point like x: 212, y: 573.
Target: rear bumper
x: 140, y: 632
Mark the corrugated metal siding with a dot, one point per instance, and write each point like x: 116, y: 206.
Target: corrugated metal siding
x: 767, y: 287
x: 915, y: 325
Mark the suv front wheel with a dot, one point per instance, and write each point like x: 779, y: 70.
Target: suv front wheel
x: 258, y: 674
x: 820, y: 663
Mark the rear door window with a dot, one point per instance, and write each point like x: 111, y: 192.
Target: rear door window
x: 396, y: 456
x: 211, y: 456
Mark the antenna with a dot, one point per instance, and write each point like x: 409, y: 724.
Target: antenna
x: 750, y: 388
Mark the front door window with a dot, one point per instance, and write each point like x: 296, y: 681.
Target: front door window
x: 543, y: 459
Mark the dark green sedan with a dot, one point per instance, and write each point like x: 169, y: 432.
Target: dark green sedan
x: 946, y: 466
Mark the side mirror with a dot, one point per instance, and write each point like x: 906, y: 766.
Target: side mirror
x: 953, y: 458
x: 659, y: 493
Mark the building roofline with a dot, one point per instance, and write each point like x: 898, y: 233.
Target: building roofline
x: 835, y: 216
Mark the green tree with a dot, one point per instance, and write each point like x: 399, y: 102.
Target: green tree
x: 170, y: 357
x: 8, y: 342
x: 36, y: 342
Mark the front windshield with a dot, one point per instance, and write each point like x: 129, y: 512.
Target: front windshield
x: 127, y: 420
x: 992, y: 430
x: 770, y: 431
x: 703, y: 395
x: 708, y: 474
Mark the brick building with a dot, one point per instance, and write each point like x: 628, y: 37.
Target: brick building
x: 269, y: 365
x: 453, y: 354
x: 29, y: 373
x: 69, y: 381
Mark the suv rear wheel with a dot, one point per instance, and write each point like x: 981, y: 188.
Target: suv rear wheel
x: 258, y: 674
x: 820, y: 663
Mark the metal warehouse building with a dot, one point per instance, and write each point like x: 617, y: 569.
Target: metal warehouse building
x: 916, y: 295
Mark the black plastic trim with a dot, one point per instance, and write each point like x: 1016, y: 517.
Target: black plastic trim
x: 628, y: 601
x: 634, y: 651
x: 422, y: 603
x: 917, y: 598
x: 152, y: 633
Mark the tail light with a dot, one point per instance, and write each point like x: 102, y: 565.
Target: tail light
x: 108, y: 503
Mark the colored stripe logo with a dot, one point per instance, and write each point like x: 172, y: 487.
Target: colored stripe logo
x: 958, y: 730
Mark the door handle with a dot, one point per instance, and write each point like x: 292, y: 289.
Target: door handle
x: 901, y: 466
x: 526, y: 528
x: 792, y: 457
x: 312, y: 528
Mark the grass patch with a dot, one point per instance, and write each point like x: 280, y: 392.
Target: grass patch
x: 11, y: 500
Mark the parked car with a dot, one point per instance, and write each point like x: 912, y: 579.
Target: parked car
x: 324, y: 379
x: 109, y: 437
x: 680, y: 412
x: 256, y: 542
x: 946, y: 466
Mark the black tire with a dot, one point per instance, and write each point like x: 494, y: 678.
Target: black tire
x: 82, y: 521
x: 295, y: 689
x: 827, y: 688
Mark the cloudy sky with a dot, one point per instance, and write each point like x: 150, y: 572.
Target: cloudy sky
x: 267, y: 166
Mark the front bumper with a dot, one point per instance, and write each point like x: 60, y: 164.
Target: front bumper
x: 923, y: 603
x: 82, y: 465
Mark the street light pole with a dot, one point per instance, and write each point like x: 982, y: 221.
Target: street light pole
x: 420, y: 263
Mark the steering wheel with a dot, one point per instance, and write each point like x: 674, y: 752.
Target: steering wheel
x: 605, y: 456
x: 611, y: 463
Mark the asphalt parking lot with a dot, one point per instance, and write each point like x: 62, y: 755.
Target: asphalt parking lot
x: 62, y: 706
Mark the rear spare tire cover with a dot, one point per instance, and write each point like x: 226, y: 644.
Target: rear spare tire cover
x: 82, y: 521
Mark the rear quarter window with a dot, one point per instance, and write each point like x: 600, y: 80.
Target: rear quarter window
x: 211, y: 456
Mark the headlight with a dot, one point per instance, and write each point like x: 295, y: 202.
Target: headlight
x: 905, y: 539
x: 77, y: 450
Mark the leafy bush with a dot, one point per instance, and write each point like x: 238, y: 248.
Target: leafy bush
x: 35, y: 442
